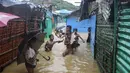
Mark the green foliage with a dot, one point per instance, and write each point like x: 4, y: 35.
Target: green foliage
x: 59, y: 4
x: 37, y: 1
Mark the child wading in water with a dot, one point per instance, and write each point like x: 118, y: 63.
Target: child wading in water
x: 67, y: 41
x: 89, y: 35
x: 49, y: 44
x: 75, y: 43
x: 30, y: 56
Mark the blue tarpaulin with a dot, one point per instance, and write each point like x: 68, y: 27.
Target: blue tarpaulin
x: 63, y: 11
x: 82, y: 26
x: 93, y: 28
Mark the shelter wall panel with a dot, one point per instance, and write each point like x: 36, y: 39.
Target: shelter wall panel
x: 123, y: 39
x: 10, y: 38
x: 104, y: 44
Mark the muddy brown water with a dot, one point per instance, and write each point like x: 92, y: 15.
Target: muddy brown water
x: 81, y: 62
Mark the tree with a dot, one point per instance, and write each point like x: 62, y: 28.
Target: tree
x: 59, y: 4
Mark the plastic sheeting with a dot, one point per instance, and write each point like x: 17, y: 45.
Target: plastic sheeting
x: 82, y: 26
x: 63, y: 11
x: 8, y: 3
x: 84, y: 10
x: 92, y: 22
x: 24, y: 10
x: 48, y: 29
x: 5, y: 17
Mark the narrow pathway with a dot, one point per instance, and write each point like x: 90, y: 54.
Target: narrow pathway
x: 81, y: 62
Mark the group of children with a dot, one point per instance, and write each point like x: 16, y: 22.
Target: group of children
x: 30, y: 54
x: 70, y: 46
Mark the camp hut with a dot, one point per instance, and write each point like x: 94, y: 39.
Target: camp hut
x: 48, y: 23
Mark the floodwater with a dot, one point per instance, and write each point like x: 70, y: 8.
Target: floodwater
x: 81, y: 62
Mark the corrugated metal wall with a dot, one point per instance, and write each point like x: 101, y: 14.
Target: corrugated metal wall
x: 104, y: 45
x: 112, y: 50
x: 123, y: 41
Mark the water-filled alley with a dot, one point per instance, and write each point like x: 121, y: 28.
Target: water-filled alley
x: 81, y: 62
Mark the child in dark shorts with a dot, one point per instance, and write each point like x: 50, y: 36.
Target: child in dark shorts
x: 75, y: 43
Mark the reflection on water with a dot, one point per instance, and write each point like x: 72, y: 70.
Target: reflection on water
x: 81, y: 62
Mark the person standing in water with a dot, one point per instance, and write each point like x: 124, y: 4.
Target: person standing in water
x: 49, y: 44
x: 75, y: 43
x: 30, y: 56
x: 67, y: 41
x: 89, y: 35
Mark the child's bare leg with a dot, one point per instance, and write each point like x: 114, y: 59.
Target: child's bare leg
x: 50, y: 49
x: 76, y: 48
x: 70, y: 49
x: 47, y: 49
x: 66, y: 52
x: 32, y: 70
x: 29, y: 70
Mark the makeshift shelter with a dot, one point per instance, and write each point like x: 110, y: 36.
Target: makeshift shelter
x: 10, y: 38
x: 17, y: 8
x: 48, y: 23
x: 58, y: 19
x: 113, y: 22
x: 32, y: 19
x: 33, y: 14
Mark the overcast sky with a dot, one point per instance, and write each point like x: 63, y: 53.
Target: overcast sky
x: 73, y: 2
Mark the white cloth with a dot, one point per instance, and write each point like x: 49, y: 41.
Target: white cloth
x: 30, y: 56
x: 30, y: 53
